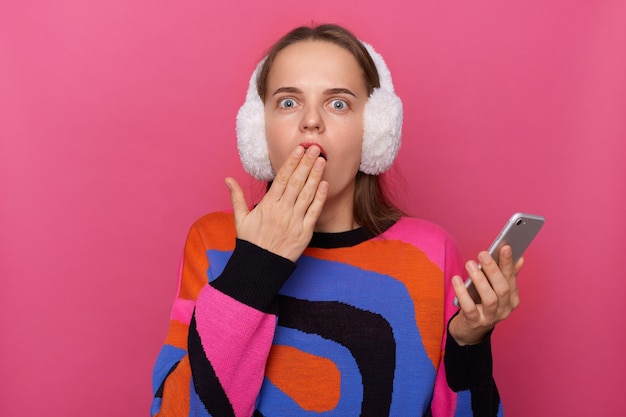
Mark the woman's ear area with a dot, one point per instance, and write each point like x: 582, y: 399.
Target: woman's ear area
x: 250, y: 128
x: 382, y: 121
x: 382, y: 131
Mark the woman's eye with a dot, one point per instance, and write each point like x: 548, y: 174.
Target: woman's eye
x: 338, y: 104
x: 287, y: 103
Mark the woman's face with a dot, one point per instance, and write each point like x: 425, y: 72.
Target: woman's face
x: 316, y: 95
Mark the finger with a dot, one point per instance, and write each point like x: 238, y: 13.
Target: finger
x: 311, y: 188
x: 238, y: 200
x: 506, y: 261
x: 466, y: 302
x: 491, y: 269
x: 500, y: 282
x: 300, y: 176
x: 479, y: 277
x: 315, y: 209
x: 509, y: 270
x: 284, y: 173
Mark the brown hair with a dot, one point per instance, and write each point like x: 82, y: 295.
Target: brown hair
x: 373, y: 209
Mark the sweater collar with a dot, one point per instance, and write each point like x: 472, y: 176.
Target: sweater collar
x: 324, y: 240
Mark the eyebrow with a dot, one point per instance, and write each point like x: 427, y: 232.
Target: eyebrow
x: 329, y: 91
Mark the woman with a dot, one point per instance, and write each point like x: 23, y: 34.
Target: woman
x: 324, y: 298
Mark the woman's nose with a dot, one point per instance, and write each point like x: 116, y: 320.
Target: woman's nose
x: 312, y: 120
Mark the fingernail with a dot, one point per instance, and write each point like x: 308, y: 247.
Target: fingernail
x: 484, y: 258
x: 471, y: 266
x: 456, y: 280
x: 299, y: 151
x: 319, y: 164
x: 313, y: 151
x: 227, y: 181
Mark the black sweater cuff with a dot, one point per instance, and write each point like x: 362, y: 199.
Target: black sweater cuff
x: 468, y: 367
x: 254, y: 276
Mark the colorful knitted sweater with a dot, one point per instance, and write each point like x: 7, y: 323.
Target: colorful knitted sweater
x: 357, y: 327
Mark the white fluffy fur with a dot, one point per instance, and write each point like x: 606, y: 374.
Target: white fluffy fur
x: 251, y: 140
x: 382, y: 127
x: 382, y: 122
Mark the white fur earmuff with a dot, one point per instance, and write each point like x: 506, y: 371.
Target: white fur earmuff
x: 382, y: 126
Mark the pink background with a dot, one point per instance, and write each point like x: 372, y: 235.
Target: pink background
x: 117, y: 129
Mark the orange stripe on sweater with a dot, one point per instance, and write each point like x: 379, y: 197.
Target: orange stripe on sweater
x: 177, y: 334
x: 201, y: 237
x: 400, y: 261
x: 311, y: 381
x: 176, y: 391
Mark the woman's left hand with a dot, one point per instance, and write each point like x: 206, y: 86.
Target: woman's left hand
x: 497, y: 287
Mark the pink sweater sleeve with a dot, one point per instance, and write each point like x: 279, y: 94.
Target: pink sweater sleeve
x: 236, y: 340
x: 221, y: 332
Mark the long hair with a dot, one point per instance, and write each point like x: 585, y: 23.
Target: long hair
x: 373, y: 209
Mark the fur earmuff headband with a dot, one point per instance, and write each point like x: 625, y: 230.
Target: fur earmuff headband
x: 382, y: 126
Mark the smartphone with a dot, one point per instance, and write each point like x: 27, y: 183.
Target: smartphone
x: 518, y: 232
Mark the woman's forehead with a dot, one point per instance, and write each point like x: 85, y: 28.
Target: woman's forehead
x: 315, y: 61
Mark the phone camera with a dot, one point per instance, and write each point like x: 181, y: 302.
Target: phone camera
x: 519, y: 222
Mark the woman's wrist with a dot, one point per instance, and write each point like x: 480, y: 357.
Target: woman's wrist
x: 463, y: 335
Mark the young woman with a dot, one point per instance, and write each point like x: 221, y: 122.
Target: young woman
x: 323, y: 298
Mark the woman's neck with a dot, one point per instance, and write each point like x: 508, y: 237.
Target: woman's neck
x: 337, y: 215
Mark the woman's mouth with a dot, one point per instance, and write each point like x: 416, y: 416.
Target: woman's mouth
x: 307, y: 145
